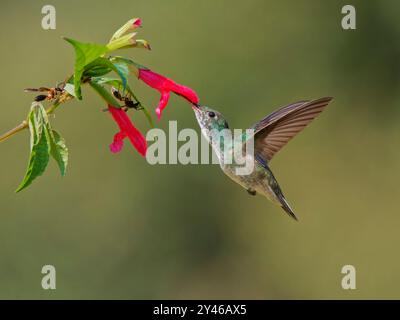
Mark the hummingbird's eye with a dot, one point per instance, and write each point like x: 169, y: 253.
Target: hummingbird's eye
x: 211, y: 114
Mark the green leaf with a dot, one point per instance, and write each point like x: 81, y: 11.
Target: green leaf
x: 39, y: 145
x: 123, y: 71
x: 116, y: 83
x: 120, y: 68
x: 104, y: 93
x: 85, y: 53
x: 44, y: 142
x: 96, y: 71
x: 128, y: 62
x: 59, y: 151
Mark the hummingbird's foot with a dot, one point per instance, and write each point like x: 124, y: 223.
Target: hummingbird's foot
x: 252, y: 192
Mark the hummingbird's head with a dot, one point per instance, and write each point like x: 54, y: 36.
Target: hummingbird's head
x: 209, y: 119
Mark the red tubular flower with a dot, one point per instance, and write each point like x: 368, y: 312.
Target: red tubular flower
x: 127, y: 130
x: 165, y: 86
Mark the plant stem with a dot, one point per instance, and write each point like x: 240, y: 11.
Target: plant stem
x: 24, y: 124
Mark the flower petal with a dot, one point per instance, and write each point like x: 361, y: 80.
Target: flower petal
x: 127, y: 130
x: 165, y: 86
x: 185, y: 92
x: 120, y: 117
x: 162, y: 104
x: 152, y: 79
x: 138, y: 141
x: 118, y: 142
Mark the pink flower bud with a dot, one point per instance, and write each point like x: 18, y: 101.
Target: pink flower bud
x: 137, y: 23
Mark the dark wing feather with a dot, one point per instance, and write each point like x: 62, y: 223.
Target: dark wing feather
x: 275, y: 130
x: 276, y: 115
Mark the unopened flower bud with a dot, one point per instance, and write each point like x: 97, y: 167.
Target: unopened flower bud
x: 131, y: 25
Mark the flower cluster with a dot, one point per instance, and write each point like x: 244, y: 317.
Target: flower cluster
x: 93, y: 63
x: 165, y: 86
x: 125, y: 37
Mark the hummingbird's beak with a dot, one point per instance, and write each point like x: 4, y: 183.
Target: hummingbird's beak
x: 195, y: 106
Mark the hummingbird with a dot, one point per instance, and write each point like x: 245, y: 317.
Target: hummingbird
x: 270, y: 134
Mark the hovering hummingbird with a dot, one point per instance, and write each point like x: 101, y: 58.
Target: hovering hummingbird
x: 270, y: 135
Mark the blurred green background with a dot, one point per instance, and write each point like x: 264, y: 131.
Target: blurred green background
x: 117, y: 227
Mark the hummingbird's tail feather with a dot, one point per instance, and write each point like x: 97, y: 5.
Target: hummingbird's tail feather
x: 273, y: 191
x: 285, y: 206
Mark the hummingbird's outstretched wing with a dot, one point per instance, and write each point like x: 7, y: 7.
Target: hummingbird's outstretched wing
x: 275, y: 130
